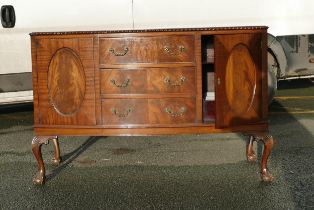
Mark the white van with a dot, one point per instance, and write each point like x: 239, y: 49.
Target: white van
x: 283, y: 17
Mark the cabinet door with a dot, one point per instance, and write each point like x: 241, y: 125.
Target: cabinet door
x: 239, y: 79
x: 65, y: 81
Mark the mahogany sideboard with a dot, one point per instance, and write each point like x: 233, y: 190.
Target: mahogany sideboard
x: 150, y: 82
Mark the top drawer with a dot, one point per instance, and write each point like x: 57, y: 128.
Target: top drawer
x: 176, y: 49
x: 127, y: 50
x: 146, y: 50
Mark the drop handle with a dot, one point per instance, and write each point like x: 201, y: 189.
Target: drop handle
x: 179, y: 113
x: 121, y: 114
x: 122, y: 85
x: 116, y: 53
x: 170, y: 82
x: 174, y: 50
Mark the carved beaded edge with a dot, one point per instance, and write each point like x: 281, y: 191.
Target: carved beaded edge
x: 150, y: 30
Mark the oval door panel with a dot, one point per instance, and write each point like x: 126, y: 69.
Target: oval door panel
x: 66, y: 82
x: 240, y: 80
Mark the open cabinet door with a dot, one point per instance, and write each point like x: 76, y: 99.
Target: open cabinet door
x: 239, y: 79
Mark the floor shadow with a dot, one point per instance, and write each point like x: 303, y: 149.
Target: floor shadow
x: 70, y: 157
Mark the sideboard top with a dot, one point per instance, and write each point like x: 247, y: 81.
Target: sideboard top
x: 151, y: 30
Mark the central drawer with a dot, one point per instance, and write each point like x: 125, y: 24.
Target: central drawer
x: 148, y: 50
x: 147, y: 81
x: 148, y: 111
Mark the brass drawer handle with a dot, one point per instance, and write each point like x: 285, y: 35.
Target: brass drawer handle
x: 173, y: 51
x: 171, y: 82
x: 122, y: 85
x: 172, y: 113
x: 121, y: 115
x: 125, y: 51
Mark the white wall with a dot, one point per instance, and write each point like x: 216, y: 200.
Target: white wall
x: 282, y: 16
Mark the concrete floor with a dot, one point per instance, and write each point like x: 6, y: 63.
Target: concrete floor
x: 172, y: 172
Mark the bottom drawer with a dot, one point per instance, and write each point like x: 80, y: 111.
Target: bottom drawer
x: 171, y: 111
x: 148, y: 111
x: 124, y: 111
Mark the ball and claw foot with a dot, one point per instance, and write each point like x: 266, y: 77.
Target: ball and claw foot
x: 39, y: 178
x: 266, y: 176
x: 252, y: 158
x: 56, y: 161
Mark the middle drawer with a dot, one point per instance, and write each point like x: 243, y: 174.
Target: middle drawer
x: 147, y: 81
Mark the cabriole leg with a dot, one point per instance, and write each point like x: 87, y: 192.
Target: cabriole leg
x: 268, y: 142
x: 36, y: 148
x: 268, y: 146
x: 250, y: 154
x: 56, y: 159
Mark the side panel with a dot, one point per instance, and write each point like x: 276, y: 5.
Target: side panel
x: 239, y: 79
x: 65, y: 86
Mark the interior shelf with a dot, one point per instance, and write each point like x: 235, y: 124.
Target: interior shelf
x: 208, y: 79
